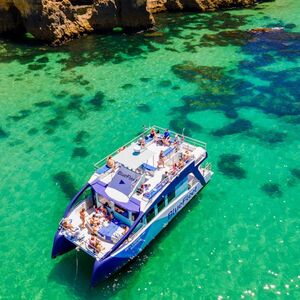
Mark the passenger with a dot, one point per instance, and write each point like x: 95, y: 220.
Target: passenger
x: 141, y: 142
x: 152, y: 133
x: 186, y: 155
x: 109, y: 217
x: 103, y: 209
x: 92, y: 242
x: 111, y: 163
x: 125, y: 228
x: 167, y: 134
x: 165, y: 176
x: 174, y: 168
x: 180, y: 163
x: 176, y: 143
x: 67, y: 225
x: 99, y: 246
x: 161, y: 160
x: 121, y: 149
x: 158, y: 138
x: 98, y: 211
x: 95, y: 244
x: 166, y: 138
x: 82, y: 217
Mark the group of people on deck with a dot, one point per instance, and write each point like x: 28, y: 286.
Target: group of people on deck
x: 98, y: 217
x: 176, y: 166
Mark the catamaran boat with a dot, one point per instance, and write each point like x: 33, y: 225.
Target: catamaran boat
x: 132, y: 195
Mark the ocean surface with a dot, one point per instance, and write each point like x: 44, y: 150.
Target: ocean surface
x: 62, y: 109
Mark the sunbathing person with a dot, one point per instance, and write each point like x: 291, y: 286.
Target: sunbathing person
x: 111, y: 163
x: 66, y: 224
x: 95, y: 244
x: 82, y: 217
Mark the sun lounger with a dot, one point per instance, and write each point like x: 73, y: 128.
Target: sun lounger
x: 103, y: 169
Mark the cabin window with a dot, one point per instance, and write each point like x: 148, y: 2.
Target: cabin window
x: 171, y: 196
x: 161, y: 205
x: 121, y: 211
x: 150, y: 214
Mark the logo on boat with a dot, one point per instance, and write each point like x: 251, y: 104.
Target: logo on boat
x: 182, y: 203
x: 128, y: 176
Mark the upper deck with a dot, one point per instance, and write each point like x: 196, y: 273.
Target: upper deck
x: 144, y: 166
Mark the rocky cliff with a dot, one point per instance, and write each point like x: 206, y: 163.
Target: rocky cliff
x: 57, y: 21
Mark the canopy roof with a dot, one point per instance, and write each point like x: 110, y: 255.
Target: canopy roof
x: 111, y: 194
x: 132, y: 160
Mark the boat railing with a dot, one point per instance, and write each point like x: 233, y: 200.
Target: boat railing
x: 146, y: 131
x: 187, y: 139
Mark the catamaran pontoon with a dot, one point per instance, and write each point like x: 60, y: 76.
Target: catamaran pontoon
x: 131, y: 198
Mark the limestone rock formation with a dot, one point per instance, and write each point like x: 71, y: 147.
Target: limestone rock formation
x: 57, y: 21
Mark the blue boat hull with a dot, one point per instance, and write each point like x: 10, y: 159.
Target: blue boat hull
x: 105, y: 268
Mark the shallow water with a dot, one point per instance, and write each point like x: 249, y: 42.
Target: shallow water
x: 63, y: 109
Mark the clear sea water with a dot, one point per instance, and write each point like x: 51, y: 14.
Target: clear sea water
x: 62, y: 109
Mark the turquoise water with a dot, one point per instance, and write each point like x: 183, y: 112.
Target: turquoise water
x: 63, y: 109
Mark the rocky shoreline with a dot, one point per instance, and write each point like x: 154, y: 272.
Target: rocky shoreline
x: 58, y: 21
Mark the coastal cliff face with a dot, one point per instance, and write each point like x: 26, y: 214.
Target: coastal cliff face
x: 57, y: 21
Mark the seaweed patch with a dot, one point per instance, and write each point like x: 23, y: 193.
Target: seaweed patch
x: 79, y: 152
x: 228, y: 165
x: 144, y: 107
x: 296, y: 173
x: 237, y: 126
x: 66, y: 183
x: 271, y: 189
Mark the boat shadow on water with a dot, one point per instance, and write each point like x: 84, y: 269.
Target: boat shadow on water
x: 75, y: 268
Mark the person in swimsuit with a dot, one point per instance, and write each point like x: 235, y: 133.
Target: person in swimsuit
x: 161, y: 160
x: 110, y: 163
x: 82, y: 217
x: 180, y: 163
x: 67, y: 225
